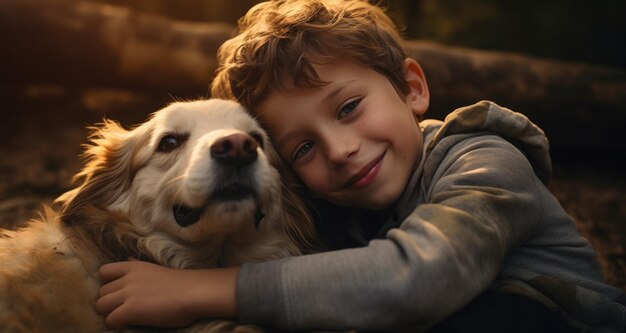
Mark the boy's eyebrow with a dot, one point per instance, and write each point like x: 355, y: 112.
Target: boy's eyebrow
x: 341, y: 85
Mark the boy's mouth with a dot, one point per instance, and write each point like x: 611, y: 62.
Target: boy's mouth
x: 367, y: 174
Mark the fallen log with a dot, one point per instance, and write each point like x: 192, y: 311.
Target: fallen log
x: 85, y: 43
x: 582, y: 107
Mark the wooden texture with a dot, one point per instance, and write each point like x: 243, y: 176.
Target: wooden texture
x: 83, y: 43
x: 581, y: 107
x: 89, y: 44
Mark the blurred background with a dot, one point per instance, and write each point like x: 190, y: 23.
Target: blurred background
x: 577, y: 30
x: 66, y: 64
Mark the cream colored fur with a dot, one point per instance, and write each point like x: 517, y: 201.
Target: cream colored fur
x: 123, y: 207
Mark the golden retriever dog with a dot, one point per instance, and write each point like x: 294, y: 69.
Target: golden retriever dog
x: 194, y: 186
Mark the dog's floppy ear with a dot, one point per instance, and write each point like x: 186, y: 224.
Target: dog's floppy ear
x: 296, y: 219
x: 112, y: 157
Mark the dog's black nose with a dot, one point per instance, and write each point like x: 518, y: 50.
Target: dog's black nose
x: 237, y: 149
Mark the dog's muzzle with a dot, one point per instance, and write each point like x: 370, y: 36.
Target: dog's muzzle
x: 186, y: 216
x: 235, y: 153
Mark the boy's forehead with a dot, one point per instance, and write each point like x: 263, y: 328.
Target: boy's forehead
x: 329, y: 76
x: 334, y: 79
x: 285, y: 111
x: 319, y: 73
x: 281, y: 107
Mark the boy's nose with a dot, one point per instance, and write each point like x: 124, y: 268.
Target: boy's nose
x: 340, y: 152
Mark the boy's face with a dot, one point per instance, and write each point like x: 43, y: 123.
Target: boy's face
x: 354, y: 141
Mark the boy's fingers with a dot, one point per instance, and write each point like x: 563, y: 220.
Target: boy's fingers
x: 107, y: 304
x: 116, y: 319
x: 113, y: 271
x: 111, y: 287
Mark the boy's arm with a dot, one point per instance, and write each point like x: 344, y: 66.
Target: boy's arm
x: 483, y: 203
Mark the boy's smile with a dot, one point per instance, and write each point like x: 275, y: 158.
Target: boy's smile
x: 353, y: 141
x: 367, y: 175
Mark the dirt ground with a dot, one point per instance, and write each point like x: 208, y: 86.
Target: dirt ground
x: 44, y: 126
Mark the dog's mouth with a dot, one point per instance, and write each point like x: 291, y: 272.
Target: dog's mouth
x: 233, y: 192
x: 186, y: 216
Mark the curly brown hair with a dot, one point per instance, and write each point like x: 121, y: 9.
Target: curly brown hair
x: 279, y: 42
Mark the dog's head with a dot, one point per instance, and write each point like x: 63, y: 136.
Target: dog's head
x: 196, y: 170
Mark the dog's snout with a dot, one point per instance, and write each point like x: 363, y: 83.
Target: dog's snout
x: 237, y: 149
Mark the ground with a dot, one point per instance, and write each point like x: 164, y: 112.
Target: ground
x: 44, y: 126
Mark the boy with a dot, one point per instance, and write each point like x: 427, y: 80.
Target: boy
x: 433, y: 225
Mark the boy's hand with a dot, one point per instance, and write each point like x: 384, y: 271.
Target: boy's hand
x: 141, y: 293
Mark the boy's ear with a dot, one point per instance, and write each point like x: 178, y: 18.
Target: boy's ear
x: 418, y: 96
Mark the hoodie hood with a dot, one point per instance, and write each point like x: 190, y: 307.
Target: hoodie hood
x: 486, y: 116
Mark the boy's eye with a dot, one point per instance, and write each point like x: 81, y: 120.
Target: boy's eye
x: 302, y: 150
x: 348, y: 108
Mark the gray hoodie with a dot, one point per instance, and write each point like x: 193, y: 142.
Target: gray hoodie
x: 476, y: 214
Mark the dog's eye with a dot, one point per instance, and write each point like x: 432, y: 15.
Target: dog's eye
x: 170, y: 142
x: 258, y: 137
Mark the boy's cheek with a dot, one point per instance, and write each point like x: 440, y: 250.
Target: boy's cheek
x: 314, y: 183
x: 313, y: 186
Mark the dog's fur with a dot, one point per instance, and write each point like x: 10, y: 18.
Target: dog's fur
x: 131, y: 185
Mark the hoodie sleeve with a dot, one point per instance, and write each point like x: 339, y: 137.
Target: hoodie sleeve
x: 480, y: 204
